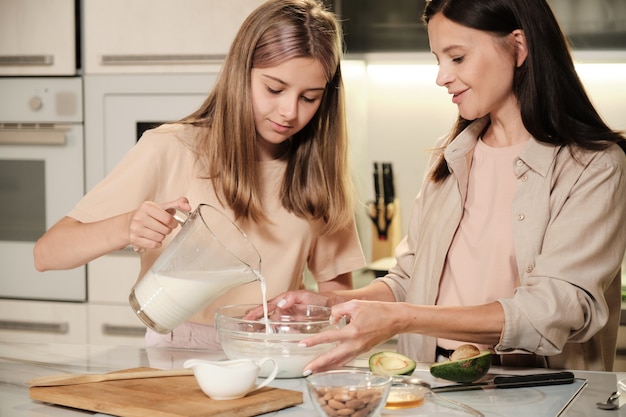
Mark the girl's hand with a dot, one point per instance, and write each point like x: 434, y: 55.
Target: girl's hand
x: 307, y: 297
x: 369, y: 324
x: 287, y: 299
x: 151, y: 223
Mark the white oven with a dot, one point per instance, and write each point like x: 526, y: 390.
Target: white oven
x: 118, y: 108
x: 41, y: 178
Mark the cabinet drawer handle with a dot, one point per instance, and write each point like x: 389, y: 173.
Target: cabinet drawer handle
x: 167, y: 59
x: 116, y: 330
x: 32, y: 326
x: 15, y: 60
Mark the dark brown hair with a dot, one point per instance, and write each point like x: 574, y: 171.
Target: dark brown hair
x: 554, y: 105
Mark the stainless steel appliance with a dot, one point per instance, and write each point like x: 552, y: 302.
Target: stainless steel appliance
x: 395, y: 26
x: 41, y: 178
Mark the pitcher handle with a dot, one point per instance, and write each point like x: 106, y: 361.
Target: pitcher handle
x: 271, y: 376
x: 181, y: 216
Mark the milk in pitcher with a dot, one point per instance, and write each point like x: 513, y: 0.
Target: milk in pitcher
x: 169, y: 299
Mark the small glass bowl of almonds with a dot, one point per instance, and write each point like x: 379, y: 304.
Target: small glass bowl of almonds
x: 350, y: 393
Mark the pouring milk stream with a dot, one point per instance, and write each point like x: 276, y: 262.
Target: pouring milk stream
x: 209, y: 256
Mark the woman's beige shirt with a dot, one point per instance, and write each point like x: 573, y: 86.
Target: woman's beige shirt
x: 569, y: 231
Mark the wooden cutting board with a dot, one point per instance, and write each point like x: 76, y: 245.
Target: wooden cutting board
x: 162, y: 397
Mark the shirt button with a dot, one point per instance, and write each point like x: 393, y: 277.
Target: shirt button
x: 529, y: 269
x: 520, y: 216
x: 524, y: 178
x: 519, y: 163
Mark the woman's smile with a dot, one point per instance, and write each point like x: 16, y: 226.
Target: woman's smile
x: 457, y: 97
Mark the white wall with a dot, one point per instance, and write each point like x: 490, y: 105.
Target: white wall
x: 355, y: 80
x: 396, y: 112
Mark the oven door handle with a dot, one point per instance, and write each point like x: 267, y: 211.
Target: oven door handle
x: 20, y: 135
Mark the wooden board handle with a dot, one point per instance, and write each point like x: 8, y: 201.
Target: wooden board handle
x: 73, y: 379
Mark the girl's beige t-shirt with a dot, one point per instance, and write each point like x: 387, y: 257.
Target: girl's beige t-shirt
x: 161, y: 167
x: 481, y: 266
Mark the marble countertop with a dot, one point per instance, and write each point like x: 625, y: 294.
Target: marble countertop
x: 20, y: 362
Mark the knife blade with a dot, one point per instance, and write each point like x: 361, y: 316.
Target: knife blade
x: 389, y: 193
x: 377, y: 195
x: 516, y: 381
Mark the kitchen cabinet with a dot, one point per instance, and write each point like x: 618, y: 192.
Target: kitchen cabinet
x: 396, y: 26
x: 110, y: 277
x: 106, y: 319
x: 598, y: 24
x: 164, y: 36
x: 43, y: 321
x: 111, y: 324
x: 38, y: 37
x: 377, y: 26
x: 111, y: 320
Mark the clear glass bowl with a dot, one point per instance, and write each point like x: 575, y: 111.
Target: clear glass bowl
x: 243, y: 335
x: 404, y: 395
x: 348, y: 393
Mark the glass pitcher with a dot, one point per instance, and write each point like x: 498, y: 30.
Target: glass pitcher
x: 209, y: 256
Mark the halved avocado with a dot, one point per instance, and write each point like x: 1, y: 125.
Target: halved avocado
x: 463, y: 370
x: 391, y: 363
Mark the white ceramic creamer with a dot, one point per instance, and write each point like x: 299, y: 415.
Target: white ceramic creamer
x: 229, y: 380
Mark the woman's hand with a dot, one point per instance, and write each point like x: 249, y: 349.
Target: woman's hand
x: 369, y: 324
x: 151, y: 223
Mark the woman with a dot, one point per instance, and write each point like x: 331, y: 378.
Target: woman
x: 268, y: 146
x: 516, y: 238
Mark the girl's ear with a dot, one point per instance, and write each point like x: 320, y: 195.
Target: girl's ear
x: 521, y: 49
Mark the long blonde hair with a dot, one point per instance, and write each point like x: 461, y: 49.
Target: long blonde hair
x: 317, y: 183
